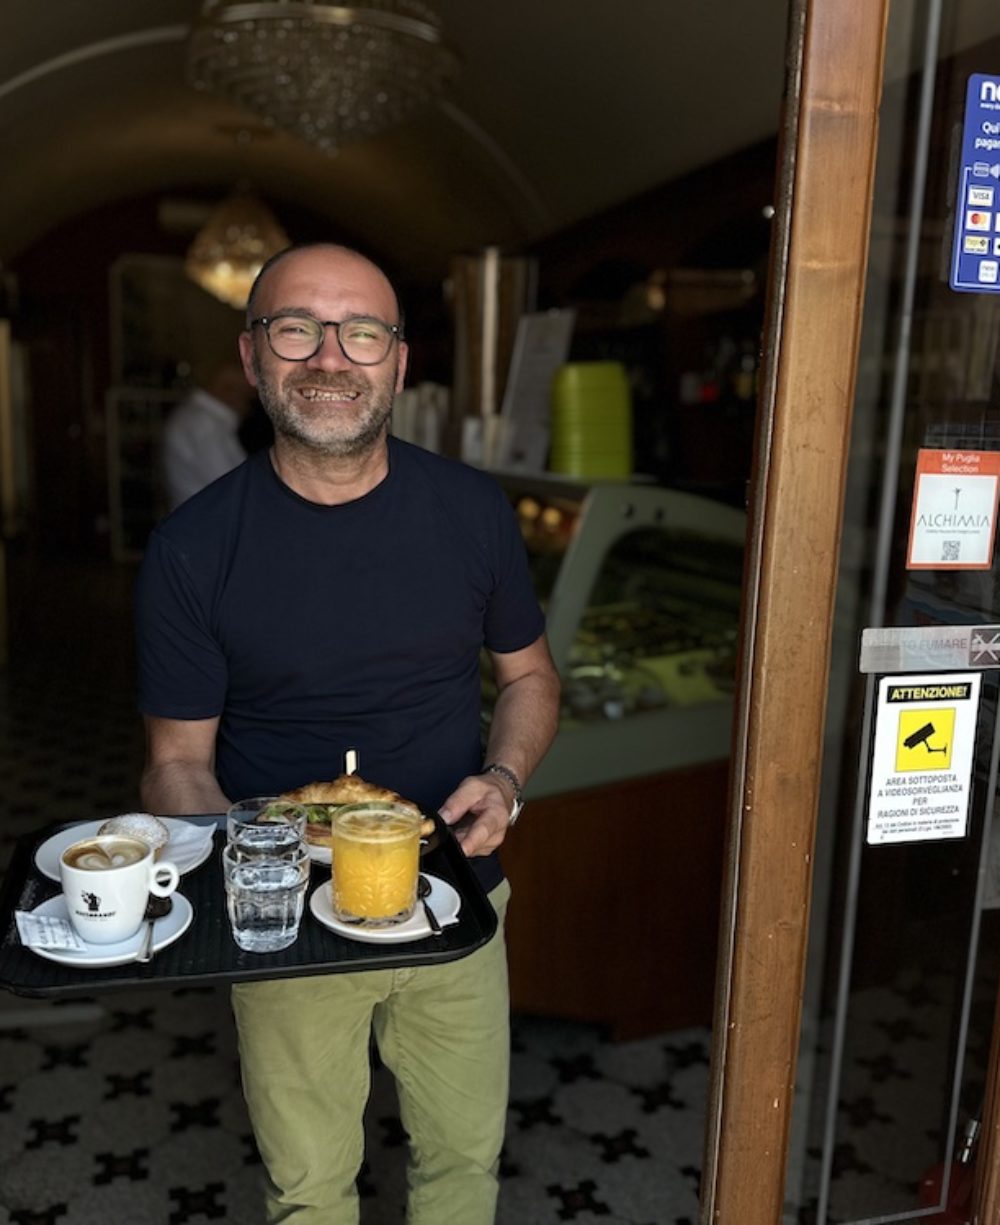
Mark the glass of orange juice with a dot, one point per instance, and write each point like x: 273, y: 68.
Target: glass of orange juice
x: 376, y: 849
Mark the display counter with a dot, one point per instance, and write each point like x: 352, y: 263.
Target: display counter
x: 641, y: 587
x: 620, y: 848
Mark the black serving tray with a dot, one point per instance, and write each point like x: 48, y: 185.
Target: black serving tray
x: 207, y: 954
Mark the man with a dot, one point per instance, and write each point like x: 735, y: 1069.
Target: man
x: 201, y: 439
x: 335, y: 594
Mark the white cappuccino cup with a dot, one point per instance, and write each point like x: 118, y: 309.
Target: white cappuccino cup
x: 106, y: 883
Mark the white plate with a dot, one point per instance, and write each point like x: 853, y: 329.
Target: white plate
x: 318, y: 854
x: 47, y: 855
x: 442, y: 899
x: 98, y: 956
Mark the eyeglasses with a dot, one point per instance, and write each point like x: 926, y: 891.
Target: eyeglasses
x: 296, y: 338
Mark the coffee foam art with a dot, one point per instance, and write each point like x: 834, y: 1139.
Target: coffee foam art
x: 97, y: 860
x: 106, y: 855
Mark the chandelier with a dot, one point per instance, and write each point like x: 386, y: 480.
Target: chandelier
x: 329, y: 73
x: 231, y: 247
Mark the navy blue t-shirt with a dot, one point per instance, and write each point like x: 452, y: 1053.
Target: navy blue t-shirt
x: 315, y: 629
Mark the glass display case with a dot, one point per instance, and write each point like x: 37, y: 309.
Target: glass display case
x: 641, y: 587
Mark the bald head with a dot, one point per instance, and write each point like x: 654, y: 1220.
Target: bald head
x: 302, y: 251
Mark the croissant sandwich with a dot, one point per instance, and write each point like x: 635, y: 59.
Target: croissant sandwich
x: 323, y: 799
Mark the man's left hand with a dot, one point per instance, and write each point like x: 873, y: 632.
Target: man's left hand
x: 479, y: 811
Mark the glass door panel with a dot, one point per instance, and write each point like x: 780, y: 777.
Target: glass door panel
x: 903, y: 944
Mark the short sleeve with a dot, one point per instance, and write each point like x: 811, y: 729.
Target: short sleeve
x: 513, y: 619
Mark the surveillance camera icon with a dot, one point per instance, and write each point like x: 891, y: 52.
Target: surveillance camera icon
x: 921, y: 736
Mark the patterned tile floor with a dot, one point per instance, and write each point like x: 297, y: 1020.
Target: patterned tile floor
x: 127, y: 1109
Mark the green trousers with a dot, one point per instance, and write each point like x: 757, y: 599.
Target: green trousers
x: 444, y: 1033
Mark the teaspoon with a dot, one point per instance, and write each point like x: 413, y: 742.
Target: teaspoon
x: 423, y: 890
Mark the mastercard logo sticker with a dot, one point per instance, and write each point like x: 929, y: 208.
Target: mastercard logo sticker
x: 977, y: 220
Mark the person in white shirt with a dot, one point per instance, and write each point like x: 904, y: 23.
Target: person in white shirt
x: 200, y: 437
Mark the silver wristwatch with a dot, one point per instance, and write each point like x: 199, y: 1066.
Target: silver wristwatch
x: 507, y: 773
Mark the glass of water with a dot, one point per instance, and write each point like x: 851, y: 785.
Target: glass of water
x: 265, y: 896
x: 266, y: 825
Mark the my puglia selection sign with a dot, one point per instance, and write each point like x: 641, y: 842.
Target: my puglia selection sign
x: 954, y: 514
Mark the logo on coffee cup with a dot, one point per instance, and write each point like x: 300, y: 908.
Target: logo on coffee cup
x: 93, y: 904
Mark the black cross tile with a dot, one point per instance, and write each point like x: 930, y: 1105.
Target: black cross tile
x: 576, y: 1068
x: 193, y: 1044
x: 860, y: 1111
x: 613, y: 1148
x: 655, y: 1096
x: 575, y: 1200
x: 53, y: 1131
x: 846, y: 1160
x: 66, y: 1056
x: 690, y: 1055
x: 47, y: 1216
x: 128, y: 1165
x: 142, y: 1018
x: 252, y: 1154
x: 536, y: 1110
x: 120, y: 1086
x: 884, y: 1067
x: 195, y: 1114
x: 197, y: 1202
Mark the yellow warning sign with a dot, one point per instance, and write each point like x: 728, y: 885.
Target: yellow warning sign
x: 925, y: 739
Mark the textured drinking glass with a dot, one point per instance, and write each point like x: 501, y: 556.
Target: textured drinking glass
x: 376, y: 851
x: 265, y: 896
x: 266, y: 825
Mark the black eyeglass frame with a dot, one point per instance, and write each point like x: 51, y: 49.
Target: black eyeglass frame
x: 395, y: 331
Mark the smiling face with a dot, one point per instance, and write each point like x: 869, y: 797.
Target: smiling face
x: 325, y: 404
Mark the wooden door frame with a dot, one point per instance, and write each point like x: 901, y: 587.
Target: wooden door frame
x: 823, y: 203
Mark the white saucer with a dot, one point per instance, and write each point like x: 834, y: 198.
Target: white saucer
x: 47, y: 855
x: 442, y: 899
x: 97, y: 956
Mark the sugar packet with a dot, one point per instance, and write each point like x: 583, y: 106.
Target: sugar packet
x: 47, y: 932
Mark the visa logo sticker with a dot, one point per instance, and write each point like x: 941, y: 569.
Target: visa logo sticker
x: 975, y: 220
x: 977, y: 244
x: 981, y: 196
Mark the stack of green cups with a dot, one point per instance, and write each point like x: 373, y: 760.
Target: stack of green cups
x: 591, y: 432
